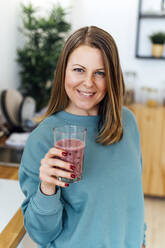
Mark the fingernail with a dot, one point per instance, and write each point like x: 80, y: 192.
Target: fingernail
x: 72, y: 167
x: 64, y: 153
x: 66, y: 184
x: 73, y: 175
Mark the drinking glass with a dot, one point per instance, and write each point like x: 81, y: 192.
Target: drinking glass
x: 71, y: 139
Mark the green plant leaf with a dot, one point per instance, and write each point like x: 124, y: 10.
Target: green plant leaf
x: 157, y: 38
x: 38, y: 58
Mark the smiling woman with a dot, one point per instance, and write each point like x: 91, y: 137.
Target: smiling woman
x: 87, y: 92
x: 103, y: 54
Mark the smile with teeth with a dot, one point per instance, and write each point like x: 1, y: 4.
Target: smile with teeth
x: 85, y: 93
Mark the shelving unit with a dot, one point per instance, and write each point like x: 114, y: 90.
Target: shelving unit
x: 155, y: 16
x: 146, y: 16
x: 149, y: 57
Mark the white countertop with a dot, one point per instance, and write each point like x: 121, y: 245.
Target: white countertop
x: 11, y: 198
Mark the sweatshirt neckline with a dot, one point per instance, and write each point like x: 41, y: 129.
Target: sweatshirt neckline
x: 87, y: 120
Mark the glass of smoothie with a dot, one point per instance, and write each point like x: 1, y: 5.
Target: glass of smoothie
x: 71, y: 139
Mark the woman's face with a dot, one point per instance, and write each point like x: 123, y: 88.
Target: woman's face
x: 85, y: 82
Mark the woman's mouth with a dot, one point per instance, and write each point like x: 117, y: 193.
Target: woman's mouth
x: 86, y: 93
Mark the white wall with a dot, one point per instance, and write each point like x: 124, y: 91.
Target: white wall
x: 11, y: 39
x: 8, y: 43
x: 117, y: 17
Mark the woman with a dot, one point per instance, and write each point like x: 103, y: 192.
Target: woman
x: 106, y: 208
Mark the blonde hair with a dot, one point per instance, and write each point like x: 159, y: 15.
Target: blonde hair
x: 110, y: 108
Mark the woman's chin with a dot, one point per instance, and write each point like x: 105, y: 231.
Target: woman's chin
x: 82, y: 110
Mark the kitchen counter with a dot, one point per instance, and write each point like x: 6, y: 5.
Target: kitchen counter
x: 11, y: 199
x: 11, y: 224
x: 11, y: 218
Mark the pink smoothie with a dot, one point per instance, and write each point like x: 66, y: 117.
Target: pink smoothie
x: 75, y: 149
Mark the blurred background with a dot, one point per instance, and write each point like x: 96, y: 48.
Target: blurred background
x: 32, y: 36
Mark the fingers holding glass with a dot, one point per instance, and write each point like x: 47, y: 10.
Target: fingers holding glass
x: 54, y: 170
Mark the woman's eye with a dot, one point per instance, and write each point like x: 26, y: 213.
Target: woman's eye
x: 78, y: 69
x: 100, y: 73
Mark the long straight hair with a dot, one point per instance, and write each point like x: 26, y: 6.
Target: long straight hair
x: 110, y: 108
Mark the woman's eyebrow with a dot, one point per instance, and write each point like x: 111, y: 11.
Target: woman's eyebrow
x: 99, y: 69
x: 79, y: 65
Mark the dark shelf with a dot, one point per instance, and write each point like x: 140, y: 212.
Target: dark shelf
x: 153, y: 16
x: 149, y: 57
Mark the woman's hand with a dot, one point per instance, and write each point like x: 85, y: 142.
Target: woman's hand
x: 53, y: 167
x: 143, y: 246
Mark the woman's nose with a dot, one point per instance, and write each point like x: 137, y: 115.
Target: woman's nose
x: 89, y: 80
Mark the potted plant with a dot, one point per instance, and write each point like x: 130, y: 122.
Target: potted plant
x: 157, y: 40
x: 44, y: 39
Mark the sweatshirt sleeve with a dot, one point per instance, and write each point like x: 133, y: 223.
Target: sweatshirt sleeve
x: 42, y: 214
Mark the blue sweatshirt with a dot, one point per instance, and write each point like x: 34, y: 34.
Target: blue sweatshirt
x: 103, y: 210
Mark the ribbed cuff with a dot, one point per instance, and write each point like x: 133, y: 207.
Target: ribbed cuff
x: 47, y: 204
